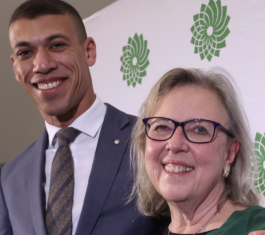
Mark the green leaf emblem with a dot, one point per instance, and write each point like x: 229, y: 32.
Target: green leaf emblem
x: 210, y: 30
x: 259, y: 168
x: 134, y: 60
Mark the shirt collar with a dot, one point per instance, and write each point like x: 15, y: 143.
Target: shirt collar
x: 88, y: 123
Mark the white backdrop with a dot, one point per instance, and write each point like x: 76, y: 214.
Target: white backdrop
x: 140, y: 40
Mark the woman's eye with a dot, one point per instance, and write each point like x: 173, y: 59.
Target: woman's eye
x: 160, y: 128
x: 200, y: 130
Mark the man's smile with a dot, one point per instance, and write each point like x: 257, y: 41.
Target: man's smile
x: 48, y: 85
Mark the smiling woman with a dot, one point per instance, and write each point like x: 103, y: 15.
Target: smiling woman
x: 192, y: 149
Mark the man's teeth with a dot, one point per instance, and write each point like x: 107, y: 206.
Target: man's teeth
x: 50, y: 85
x: 177, y: 169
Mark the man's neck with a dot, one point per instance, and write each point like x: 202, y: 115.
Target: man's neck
x: 70, y: 116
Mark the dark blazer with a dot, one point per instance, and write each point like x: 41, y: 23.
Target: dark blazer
x: 104, y: 211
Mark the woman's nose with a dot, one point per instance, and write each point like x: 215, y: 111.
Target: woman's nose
x: 178, y: 141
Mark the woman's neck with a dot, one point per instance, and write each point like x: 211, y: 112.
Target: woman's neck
x: 194, y: 213
x: 203, y: 219
x: 191, y: 221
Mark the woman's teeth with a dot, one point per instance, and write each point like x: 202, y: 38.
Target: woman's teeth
x: 177, y: 169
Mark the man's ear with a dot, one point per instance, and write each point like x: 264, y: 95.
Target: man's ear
x: 233, y: 148
x: 14, y: 69
x: 91, y: 52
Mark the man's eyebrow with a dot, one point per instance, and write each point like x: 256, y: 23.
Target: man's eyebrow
x: 49, y: 39
x: 22, y: 44
x: 55, y: 36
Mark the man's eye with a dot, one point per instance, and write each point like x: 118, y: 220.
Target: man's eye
x: 58, y: 46
x: 23, y: 53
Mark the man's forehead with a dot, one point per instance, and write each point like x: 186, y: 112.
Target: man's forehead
x: 44, y: 21
x: 42, y: 26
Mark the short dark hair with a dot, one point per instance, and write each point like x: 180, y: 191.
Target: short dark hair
x: 32, y: 9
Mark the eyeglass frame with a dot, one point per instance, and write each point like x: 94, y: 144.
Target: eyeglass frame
x: 182, y: 124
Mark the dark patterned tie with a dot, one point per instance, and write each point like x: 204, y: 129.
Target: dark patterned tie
x: 60, y: 200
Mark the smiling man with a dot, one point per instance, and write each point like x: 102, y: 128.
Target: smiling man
x: 51, y: 63
x: 75, y: 179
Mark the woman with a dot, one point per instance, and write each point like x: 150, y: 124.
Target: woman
x: 192, y: 148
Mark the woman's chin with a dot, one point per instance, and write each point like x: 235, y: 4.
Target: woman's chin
x: 174, y: 194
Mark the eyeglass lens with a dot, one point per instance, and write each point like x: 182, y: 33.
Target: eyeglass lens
x: 195, y: 130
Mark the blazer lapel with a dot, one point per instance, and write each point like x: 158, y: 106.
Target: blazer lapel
x: 106, y: 163
x: 34, y: 172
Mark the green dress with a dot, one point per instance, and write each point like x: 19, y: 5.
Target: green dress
x: 239, y: 223
x: 243, y: 222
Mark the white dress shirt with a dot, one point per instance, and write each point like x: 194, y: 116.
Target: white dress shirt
x: 83, y: 151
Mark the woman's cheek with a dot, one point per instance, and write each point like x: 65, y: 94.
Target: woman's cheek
x: 152, y: 163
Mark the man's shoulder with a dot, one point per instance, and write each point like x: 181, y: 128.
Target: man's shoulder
x: 118, y: 117
x: 1, y: 165
x: 23, y: 157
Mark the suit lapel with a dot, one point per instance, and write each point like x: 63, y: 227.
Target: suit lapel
x: 106, y: 163
x: 34, y: 172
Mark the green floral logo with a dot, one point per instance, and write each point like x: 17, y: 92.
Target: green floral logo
x: 135, y: 60
x: 258, y: 168
x: 210, y: 30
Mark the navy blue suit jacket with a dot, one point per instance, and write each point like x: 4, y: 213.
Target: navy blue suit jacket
x: 104, y: 211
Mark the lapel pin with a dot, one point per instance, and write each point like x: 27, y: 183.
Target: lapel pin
x: 116, y: 141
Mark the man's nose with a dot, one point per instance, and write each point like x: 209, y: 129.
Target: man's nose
x: 43, y: 62
x: 178, y: 141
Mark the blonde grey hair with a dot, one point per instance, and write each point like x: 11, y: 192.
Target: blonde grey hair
x: 238, y: 186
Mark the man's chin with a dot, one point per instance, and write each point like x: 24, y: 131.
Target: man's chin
x: 53, y: 112
x: 58, y: 115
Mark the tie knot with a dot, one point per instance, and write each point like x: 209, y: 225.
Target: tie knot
x: 67, y: 135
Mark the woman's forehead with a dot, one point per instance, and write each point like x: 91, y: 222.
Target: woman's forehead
x: 189, y: 102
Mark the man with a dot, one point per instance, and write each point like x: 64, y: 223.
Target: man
x: 51, y: 55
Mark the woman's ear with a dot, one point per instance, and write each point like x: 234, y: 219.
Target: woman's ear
x: 233, y: 148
